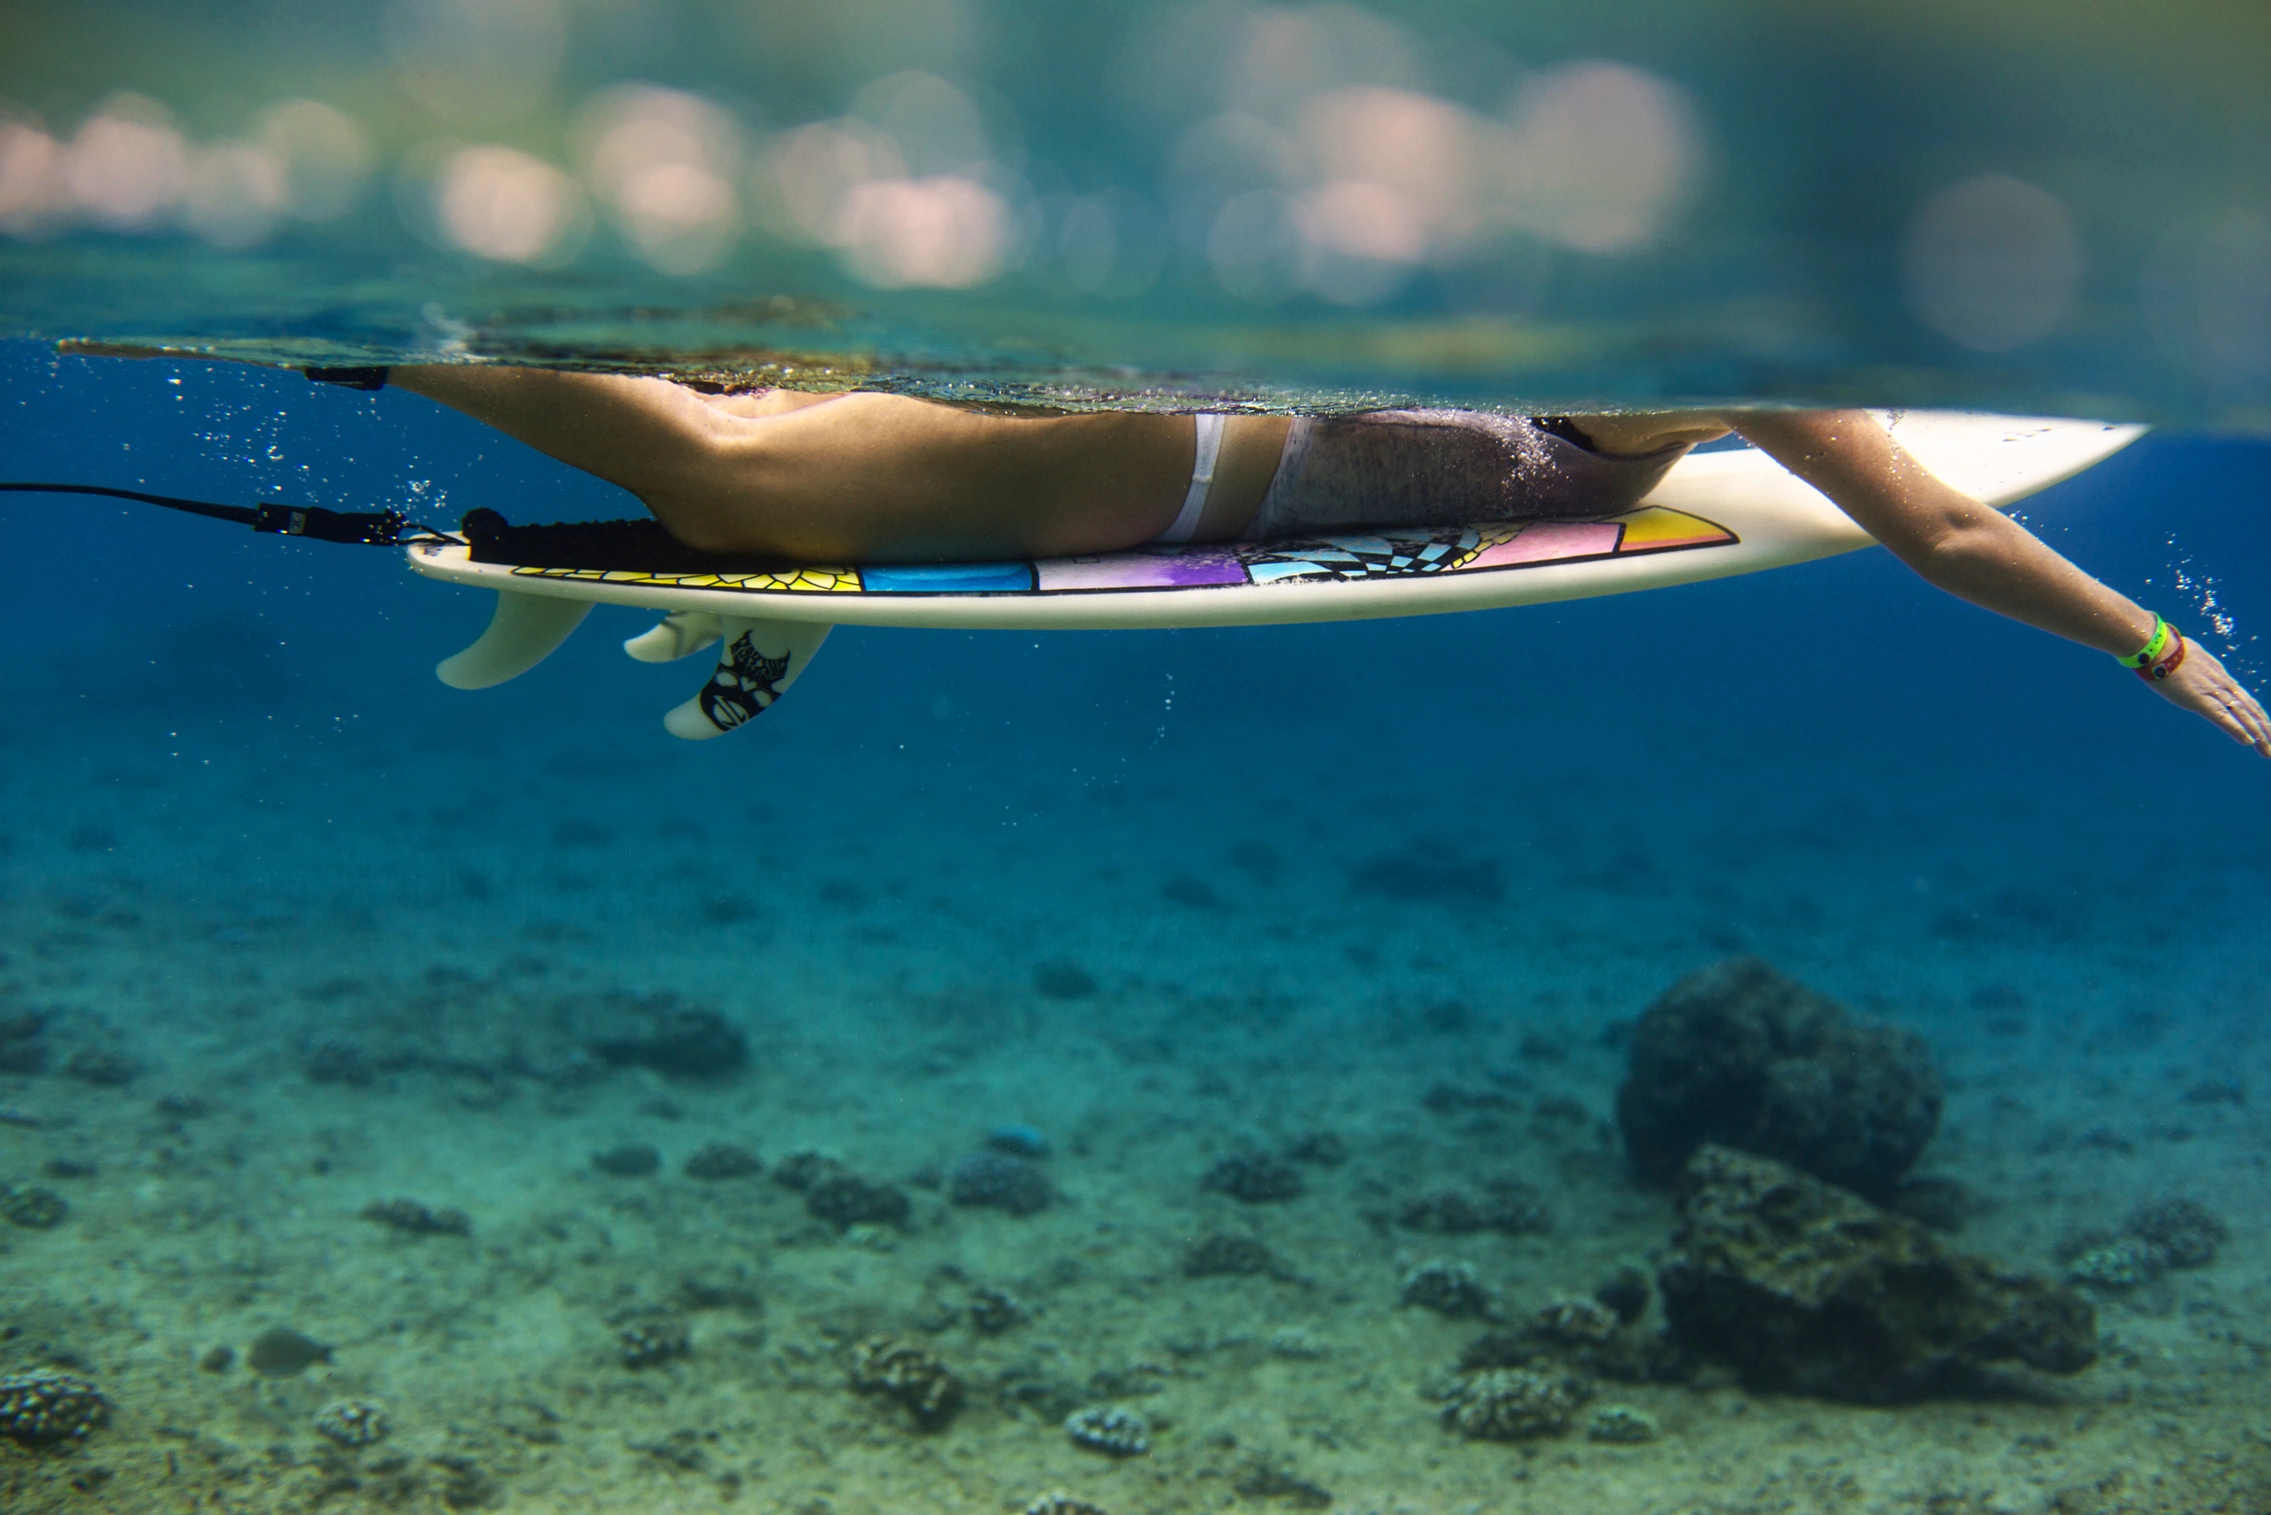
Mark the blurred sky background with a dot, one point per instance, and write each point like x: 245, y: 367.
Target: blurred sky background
x: 2017, y: 206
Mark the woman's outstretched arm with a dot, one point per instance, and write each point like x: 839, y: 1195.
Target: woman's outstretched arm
x: 1983, y: 556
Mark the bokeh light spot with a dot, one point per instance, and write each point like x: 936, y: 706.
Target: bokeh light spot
x: 505, y: 205
x: 1992, y: 263
x: 127, y: 165
x: 233, y: 194
x: 326, y: 156
x: 33, y: 196
x: 665, y: 163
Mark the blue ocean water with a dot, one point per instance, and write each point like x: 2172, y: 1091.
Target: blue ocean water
x: 244, y: 825
x: 416, y: 1099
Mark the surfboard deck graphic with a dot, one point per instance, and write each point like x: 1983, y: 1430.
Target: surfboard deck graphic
x: 1714, y: 515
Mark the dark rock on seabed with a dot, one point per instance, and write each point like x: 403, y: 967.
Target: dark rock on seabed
x: 713, y: 1162
x: 631, y: 1160
x: 845, y: 1199
x: 995, y: 1180
x: 1220, y: 1254
x: 1740, y: 1055
x: 281, y: 1352
x: 1254, y: 1178
x: 413, y: 1218
x: 686, y: 1044
x: 33, y: 1209
x: 1448, y: 1288
x: 1507, y: 1205
x: 1807, y: 1288
x: 21, y: 1049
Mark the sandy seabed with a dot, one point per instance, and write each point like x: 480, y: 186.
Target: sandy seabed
x: 198, y: 942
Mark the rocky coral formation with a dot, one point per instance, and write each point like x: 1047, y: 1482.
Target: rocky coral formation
x: 103, y: 1067
x: 1322, y: 1149
x: 1254, y: 1178
x: 845, y: 1199
x: 995, y: 1180
x: 1265, y: 1477
x: 1625, y: 1291
x: 493, y: 1031
x: 1584, y: 1335
x: 1057, y: 1502
x: 1577, y: 1322
x: 1739, y: 1055
x: 2158, y: 1235
x: 1447, y: 1288
x: 993, y: 1311
x: 34, y: 1209
x: 1108, y: 1429
x: 21, y: 1048
x: 713, y: 1161
x: 1807, y: 1288
x: 803, y: 1168
x: 1227, y: 1253
x: 43, y: 1405
x: 631, y: 1160
x: 1622, y: 1426
x: 2115, y: 1265
x: 413, y: 1218
x: 652, y: 1340
x: 911, y: 1377
x: 352, y: 1422
x: 675, y: 1042
x: 1430, y: 870
x: 1513, y: 1404
x: 1506, y: 1205
x: 2183, y: 1232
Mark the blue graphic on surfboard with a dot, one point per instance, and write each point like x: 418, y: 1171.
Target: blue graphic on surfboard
x: 1714, y: 515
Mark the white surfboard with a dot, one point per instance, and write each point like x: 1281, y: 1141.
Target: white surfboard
x: 1714, y: 515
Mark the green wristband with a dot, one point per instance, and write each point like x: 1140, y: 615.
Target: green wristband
x: 2150, y: 653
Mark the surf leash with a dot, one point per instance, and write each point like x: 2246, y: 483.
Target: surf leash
x: 365, y: 528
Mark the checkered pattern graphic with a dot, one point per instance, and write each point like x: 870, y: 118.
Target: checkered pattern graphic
x: 1385, y: 555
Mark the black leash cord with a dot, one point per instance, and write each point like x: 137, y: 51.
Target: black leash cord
x: 369, y: 528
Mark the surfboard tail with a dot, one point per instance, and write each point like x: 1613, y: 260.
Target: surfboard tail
x: 680, y: 634
x: 523, y: 631
x: 756, y: 666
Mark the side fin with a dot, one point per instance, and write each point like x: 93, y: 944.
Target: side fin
x: 680, y: 634
x: 759, y: 661
x: 521, y: 634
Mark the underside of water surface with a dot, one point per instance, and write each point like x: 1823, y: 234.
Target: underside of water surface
x: 2027, y: 208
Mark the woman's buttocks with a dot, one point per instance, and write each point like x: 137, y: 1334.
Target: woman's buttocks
x: 1440, y: 467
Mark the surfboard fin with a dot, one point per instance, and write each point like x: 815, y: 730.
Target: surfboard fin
x: 522, y: 633
x: 759, y: 661
x: 680, y: 634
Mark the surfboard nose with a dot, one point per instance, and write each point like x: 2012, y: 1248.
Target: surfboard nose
x: 758, y: 662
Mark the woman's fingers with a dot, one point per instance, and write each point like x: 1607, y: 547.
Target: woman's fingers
x: 2202, y: 685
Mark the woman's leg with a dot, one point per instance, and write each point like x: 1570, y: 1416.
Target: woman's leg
x: 642, y: 434
x: 864, y: 477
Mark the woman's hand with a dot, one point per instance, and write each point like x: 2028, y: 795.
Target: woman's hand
x: 2200, y: 684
